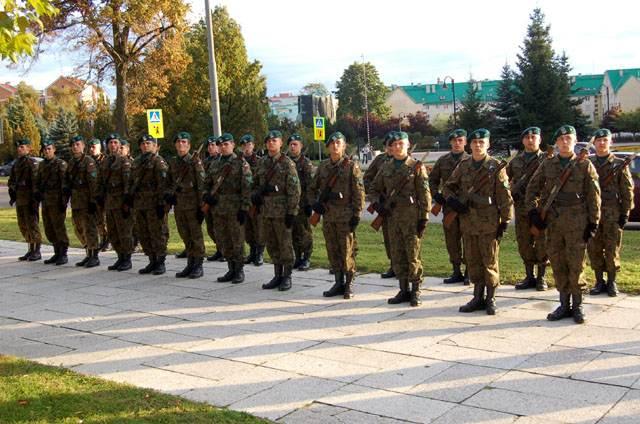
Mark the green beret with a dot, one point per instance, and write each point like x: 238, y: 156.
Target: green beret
x: 23, y: 142
x: 247, y: 138
x: 94, y: 141
x: 123, y: 141
x: 602, y: 132
x: 531, y: 130
x: 147, y: 137
x: 400, y: 135
x: 182, y: 135
x: 274, y: 134
x: 77, y: 138
x: 48, y: 142
x: 113, y: 136
x: 295, y: 137
x: 335, y: 136
x: 226, y: 137
x: 480, y: 133
x: 564, y: 130
x: 389, y: 137
x: 212, y: 139
x: 457, y: 133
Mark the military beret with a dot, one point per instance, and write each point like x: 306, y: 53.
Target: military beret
x: 457, y: 133
x: 182, y: 135
x: 113, y: 136
x: 123, y: 141
x: 23, y: 142
x: 295, y: 137
x: 147, y: 137
x: 212, y: 139
x: 77, y: 138
x: 94, y: 141
x: 335, y: 136
x: 602, y: 132
x: 400, y: 135
x: 388, y: 137
x: 531, y: 130
x: 480, y: 133
x: 564, y: 130
x: 247, y: 138
x: 226, y: 137
x: 48, y: 142
x: 273, y: 134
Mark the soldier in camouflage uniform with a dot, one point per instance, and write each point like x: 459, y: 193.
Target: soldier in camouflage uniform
x: 213, y: 154
x: 149, y: 179
x: 276, y: 193
x: 81, y: 184
x: 228, y: 194
x: 252, y: 229
x: 369, y: 176
x: 51, y: 174
x: 616, y: 184
x: 95, y: 150
x: 571, y: 221
x: 114, y: 176
x: 302, y: 235
x: 341, y: 206
x: 533, y: 250
x: 484, y: 216
x: 21, y: 192
x: 442, y: 170
x: 404, y: 199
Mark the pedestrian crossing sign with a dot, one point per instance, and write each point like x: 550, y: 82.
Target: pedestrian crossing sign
x: 318, y: 128
x: 154, y: 123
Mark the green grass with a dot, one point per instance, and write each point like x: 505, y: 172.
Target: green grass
x: 34, y: 393
x: 4, y: 181
x: 372, y: 258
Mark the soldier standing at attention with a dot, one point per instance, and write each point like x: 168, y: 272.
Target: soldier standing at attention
x: 442, y: 170
x: 228, y: 195
x: 276, y: 193
x: 213, y: 154
x: 81, y: 184
x: 571, y: 221
x: 616, y: 184
x: 114, y: 176
x: 533, y: 250
x: 51, y: 173
x: 21, y: 192
x: 480, y: 194
x: 95, y: 150
x: 340, y: 199
x: 146, y: 196
x: 369, y: 176
x: 253, y: 233
x: 302, y: 235
x: 402, y: 187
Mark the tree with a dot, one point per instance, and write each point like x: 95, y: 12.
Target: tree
x: 351, y: 90
x: 629, y: 122
x: 609, y: 119
x: 64, y: 127
x: 419, y: 123
x: 18, y: 20
x: 473, y: 114
x: 315, y: 88
x: 507, y: 126
x: 23, y: 122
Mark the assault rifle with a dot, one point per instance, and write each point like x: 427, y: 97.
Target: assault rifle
x: 516, y: 189
x: 617, y: 170
x: 326, y: 194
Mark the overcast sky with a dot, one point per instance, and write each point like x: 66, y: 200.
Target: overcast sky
x: 408, y: 41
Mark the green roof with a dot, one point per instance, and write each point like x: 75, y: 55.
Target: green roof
x: 587, y: 85
x: 619, y: 76
x: 435, y: 94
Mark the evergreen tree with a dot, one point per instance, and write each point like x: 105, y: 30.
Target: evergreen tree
x: 351, y: 89
x: 506, y: 127
x: 473, y: 114
x: 23, y: 123
x: 64, y: 127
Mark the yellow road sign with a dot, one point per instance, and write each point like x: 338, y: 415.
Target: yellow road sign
x: 318, y: 128
x: 154, y: 123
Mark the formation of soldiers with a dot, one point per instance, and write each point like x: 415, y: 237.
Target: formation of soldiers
x: 565, y: 206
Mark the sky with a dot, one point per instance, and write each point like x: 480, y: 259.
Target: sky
x: 299, y: 42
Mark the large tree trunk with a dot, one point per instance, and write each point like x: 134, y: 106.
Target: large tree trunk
x: 120, y: 115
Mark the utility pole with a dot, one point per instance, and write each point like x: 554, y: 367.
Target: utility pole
x: 366, y: 103
x: 213, y: 75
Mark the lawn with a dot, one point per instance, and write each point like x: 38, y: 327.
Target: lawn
x: 371, y: 256
x: 34, y: 393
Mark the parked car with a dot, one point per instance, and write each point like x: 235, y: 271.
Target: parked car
x: 5, y: 169
x: 634, y: 167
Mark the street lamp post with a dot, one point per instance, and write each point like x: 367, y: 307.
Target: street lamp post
x: 400, y: 119
x: 453, y: 90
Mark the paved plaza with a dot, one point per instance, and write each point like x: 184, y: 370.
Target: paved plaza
x: 296, y: 357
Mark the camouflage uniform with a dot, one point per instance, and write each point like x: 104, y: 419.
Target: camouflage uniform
x: 101, y: 215
x: 252, y: 228
x: 208, y: 217
x: 21, y: 191
x: 301, y: 233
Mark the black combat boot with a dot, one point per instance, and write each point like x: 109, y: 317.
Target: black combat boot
x: 93, y: 259
x: 388, y: 273
x: 196, y: 270
x: 85, y: 260
x: 285, y: 281
x: 259, y: 260
x: 296, y: 262
x: 62, y: 255
x: 182, y: 254
x: 349, y: 278
x: 187, y: 269
x: 456, y: 276
x: 541, y: 282
x: 578, y: 313
x: 338, y: 286
x: 252, y: 254
x: 104, y: 246
x: 402, y: 296
x: 26, y: 255
x: 56, y: 255
x: 416, y: 295
x: 117, y: 263
x: 238, y: 273
x: 159, y: 268
x: 277, y: 276
x: 150, y: 266
x: 612, y: 286
x: 228, y: 276
x: 35, y: 253
x: 125, y: 265
x: 601, y: 285
x: 305, y: 263
x: 529, y: 280
x: 491, y: 300
x: 478, y: 302
x: 217, y: 256
x: 562, y: 311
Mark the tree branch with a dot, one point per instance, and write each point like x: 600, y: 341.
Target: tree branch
x: 158, y: 31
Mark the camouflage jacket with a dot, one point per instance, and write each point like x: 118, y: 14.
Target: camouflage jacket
x: 252, y: 161
x: 489, y: 204
x: 617, y: 193
x: 82, y: 180
x: 442, y: 170
x: 371, y: 172
x: 283, y: 194
x: 346, y: 198
x: 518, y: 167
x: 148, y: 181
x: 114, y: 175
x: 22, y: 179
x: 186, y: 181
x: 50, y: 180
x: 208, y: 161
x: 304, y: 168
x: 233, y: 175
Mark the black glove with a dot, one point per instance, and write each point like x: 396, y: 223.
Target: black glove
x: 438, y: 197
x: 457, y: 205
x: 353, y: 223
x: 38, y: 196
x: 256, y: 199
x: 128, y: 200
x: 536, y: 220
x: 210, y: 199
x: 589, y: 231
x: 160, y: 211
x: 199, y: 215
x: 268, y: 188
x: 93, y: 208
x: 318, y: 207
x: 422, y: 225
x: 100, y: 200
x: 12, y: 196
x: 622, y: 220
x: 170, y: 199
x: 288, y: 220
x: 66, y: 191
x: 241, y: 216
x: 502, y: 227
x: 308, y: 210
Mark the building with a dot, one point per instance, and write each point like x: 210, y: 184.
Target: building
x: 310, y: 105
x: 284, y: 105
x: 83, y: 91
x: 7, y: 91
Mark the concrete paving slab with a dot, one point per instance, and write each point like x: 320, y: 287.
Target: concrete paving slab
x: 616, y: 340
x: 467, y: 414
x: 626, y: 411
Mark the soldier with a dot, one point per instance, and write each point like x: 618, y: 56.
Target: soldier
x: 213, y: 154
x: 480, y: 194
x: 276, y: 193
x: 21, y: 193
x: 253, y: 233
x: 571, y: 221
x: 438, y: 176
x: 533, y: 250
x: 369, y: 176
x: 95, y: 150
x: 114, y: 176
x: 340, y: 199
x: 404, y: 199
x: 228, y: 195
x: 50, y: 180
x: 616, y: 184
x: 81, y: 185
x: 146, y: 196
x: 301, y: 234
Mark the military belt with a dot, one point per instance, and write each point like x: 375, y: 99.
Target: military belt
x: 565, y: 199
x: 609, y: 195
x: 478, y: 201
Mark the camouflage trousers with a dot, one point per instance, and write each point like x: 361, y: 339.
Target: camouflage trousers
x: 604, y: 248
x: 54, y: 228
x: 28, y: 223
x: 152, y: 232
x: 387, y: 241
x: 341, y: 245
x: 101, y: 222
x: 230, y: 237
x: 190, y: 230
x: 481, y: 253
x: 533, y: 250
x: 453, y: 241
x: 278, y: 240
x: 211, y: 229
x: 120, y: 230
x: 566, y: 249
x: 405, y: 247
x: 253, y: 231
x: 85, y: 228
x: 302, y: 236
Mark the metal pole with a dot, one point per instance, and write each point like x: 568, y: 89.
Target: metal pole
x: 213, y: 76
x: 453, y: 89
x: 366, y: 103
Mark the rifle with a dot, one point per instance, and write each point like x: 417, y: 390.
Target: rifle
x: 324, y: 196
x: 253, y: 210
x: 437, y: 207
x: 617, y: 170
x: 531, y: 169
x: 226, y: 169
x: 451, y: 216
x: 167, y: 206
